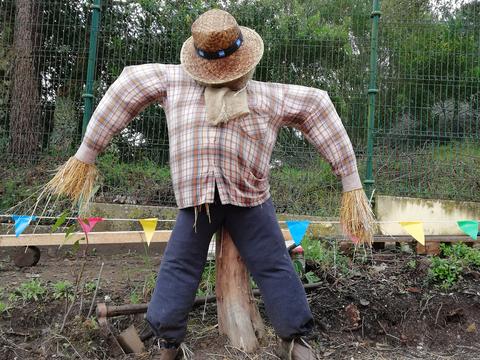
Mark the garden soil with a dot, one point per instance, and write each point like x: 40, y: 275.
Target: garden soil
x: 383, y: 309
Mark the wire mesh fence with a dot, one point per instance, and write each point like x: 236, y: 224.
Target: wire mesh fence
x: 428, y: 119
x: 427, y: 127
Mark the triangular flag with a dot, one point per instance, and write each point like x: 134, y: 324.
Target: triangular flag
x: 88, y: 224
x: 297, y: 230
x: 149, y: 226
x: 414, y: 228
x: 469, y: 227
x: 21, y: 223
x: 355, y: 239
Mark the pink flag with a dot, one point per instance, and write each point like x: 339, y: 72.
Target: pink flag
x: 88, y: 224
x: 354, y: 239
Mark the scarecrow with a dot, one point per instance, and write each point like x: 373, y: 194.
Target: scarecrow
x: 222, y: 128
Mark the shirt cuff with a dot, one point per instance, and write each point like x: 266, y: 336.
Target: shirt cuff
x: 351, y: 182
x: 85, y: 154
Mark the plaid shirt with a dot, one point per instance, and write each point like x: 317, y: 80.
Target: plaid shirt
x: 235, y: 155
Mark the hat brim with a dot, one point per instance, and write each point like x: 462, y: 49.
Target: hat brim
x: 227, y: 69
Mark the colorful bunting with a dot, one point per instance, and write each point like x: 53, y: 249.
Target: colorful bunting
x: 415, y: 229
x: 149, y: 226
x: 469, y: 227
x: 297, y: 230
x: 22, y: 222
x: 88, y: 224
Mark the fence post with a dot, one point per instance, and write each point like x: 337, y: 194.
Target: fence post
x: 92, y: 58
x: 372, y: 92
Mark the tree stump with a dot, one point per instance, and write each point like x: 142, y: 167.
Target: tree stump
x: 238, y: 315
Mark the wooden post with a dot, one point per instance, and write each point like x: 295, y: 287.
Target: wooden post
x: 238, y: 315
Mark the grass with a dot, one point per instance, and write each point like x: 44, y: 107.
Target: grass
x: 444, y: 172
x: 313, y: 190
x: 306, y: 187
x: 149, y: 285
x: 4, y: 307
x: 207, y: 283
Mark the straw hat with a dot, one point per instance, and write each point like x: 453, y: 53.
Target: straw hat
x: 220, y: 50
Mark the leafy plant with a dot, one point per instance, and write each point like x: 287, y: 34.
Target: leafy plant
x: 412, y: 264
x: 326, y: 255
x: 207, y: 283
x: 12, y: 298
x: 134, y: 297
x: 149, y: 284
x: 4, y: 307
x: 467, y: 255
x: 63, y: 290
x: 298, y: 266
x: 90, y: 286
x: 31, y: 290
x: 445, y: 271
x: 60, y: 221
x: 311, y: 277
x: 455, y: 260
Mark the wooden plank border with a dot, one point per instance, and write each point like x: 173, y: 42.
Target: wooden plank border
x: 100, y: 237
x: 162, y: 236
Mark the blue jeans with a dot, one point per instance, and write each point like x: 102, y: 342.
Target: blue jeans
x: 260, y: 242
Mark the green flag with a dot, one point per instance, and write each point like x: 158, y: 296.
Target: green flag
x: 469, y: 227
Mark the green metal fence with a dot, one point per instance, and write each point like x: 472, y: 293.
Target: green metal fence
x: 422, y: 134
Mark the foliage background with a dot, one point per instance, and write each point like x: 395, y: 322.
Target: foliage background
x: 427, y: 120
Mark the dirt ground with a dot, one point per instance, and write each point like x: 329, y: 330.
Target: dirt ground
x: 384, y: 309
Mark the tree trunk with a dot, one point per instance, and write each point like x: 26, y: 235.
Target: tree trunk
x: 25, y: 97
x: 238, y: 315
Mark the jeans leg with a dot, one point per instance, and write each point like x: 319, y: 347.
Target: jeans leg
x: 180, y: 273
x: 259, y: 239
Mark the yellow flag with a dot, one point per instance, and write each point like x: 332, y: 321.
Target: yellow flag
x: 414, y: 228
x: 149, y: 226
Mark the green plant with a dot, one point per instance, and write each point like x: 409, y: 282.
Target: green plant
x: 31, y: 290
x: 4, y: 307
x: 298, y: 266
x: 326, y: 255
x: 134, y: 297
x: 141, y: 179
x: 445, y: 271
x: 90, y: 286
x: 207, y: 283
x: 63, y: 290
x: 467, y: 255
x: 455, y: 259
x: 149, y: 284
x: 412, y: 264
x: 311, y: 277
x: 12, y: 298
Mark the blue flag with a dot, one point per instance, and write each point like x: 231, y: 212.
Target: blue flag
x: 21, y: 223
x: 297, y: 230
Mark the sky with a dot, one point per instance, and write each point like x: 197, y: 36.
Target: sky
x: 453, y: 4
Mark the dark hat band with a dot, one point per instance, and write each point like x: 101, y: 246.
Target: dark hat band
x: 220, y: 53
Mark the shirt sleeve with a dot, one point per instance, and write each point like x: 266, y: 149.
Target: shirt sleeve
x: 137, y: 87
x: 312, y: 112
